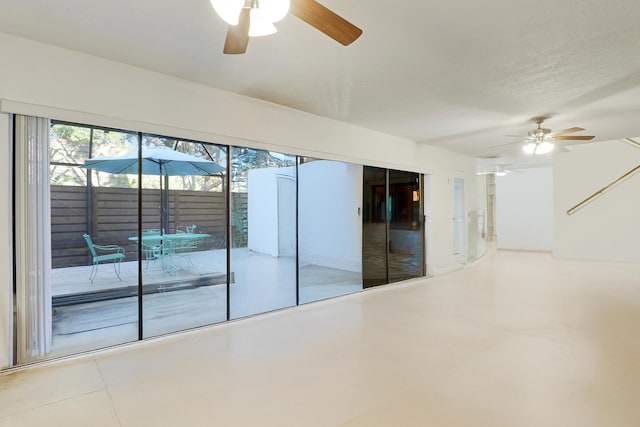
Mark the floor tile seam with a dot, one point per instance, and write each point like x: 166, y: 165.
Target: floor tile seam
x: 454, y: 367
x: 477, y: 321
x: 569, y: 343
x: 552, y: 340
x: 626, y: 355
x: 516, y: 334
x: 106, y: 388
x: 527, y: 333
x: 372, y: 405
x: 488, y: 347
x: 51, y: 403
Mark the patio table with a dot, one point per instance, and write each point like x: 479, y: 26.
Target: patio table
x: 169, y: 243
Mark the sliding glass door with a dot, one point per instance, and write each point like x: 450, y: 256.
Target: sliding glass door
x: 392, y: 226
x: 204, y: 234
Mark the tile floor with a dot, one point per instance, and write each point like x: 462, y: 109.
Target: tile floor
x: 515, y: 339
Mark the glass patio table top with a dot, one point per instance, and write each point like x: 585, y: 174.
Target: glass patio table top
x: 172, y: 241
x: 171, y: 237
x: 165, y: 246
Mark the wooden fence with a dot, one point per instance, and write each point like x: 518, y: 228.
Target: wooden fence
x: 109, y: 215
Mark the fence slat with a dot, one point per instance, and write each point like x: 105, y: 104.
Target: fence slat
x: 115, y: 218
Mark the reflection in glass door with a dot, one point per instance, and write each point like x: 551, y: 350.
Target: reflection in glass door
x: 374, y: 227
x: 263, y: 232
x: 329, y: 229
x: 405, y: 226
x: 392, y: 226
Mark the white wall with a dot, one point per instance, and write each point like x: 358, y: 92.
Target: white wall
x: 271, y: 212
x: 524, y: 210
x: 478, y: 229
x: 608, y: 228
x: 439, y: 205
x: 330, y: 229
x: 47, y: 81
x: 63, y: 84
x: 262, y: 207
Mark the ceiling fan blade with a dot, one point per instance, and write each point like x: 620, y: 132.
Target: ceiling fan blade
x: 323, y: 19
x: 566, y: 131
x: 574, y: 137
x: 632, y: 142
x: 238, y: 35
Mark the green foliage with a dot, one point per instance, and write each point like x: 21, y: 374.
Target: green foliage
x: 70, y: 146
x: 70, y: 133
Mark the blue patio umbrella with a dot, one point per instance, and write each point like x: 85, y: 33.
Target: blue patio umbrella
x: 161, y: 161
x: 155, y: 161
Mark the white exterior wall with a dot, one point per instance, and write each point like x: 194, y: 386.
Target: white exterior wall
x: 262, y: 207
x: 42, y: 80
x: 524, y: 210
x: 608, y: 228
x: 330, y: 229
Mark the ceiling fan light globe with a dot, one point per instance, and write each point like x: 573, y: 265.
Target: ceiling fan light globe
x: 275, y: 10
x: 544, y: 148
x: 228, y: 10
x: 530, y: 148
x: 259, y: 24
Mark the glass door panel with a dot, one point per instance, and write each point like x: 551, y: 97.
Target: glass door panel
x: 263, y: 231
x: 94, y: 270
x: 329, y: 228
x: 183, y: 236
x: 405, y: 226
x: 374, y: 227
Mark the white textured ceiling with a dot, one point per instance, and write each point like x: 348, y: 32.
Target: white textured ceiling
x: 459, y: 75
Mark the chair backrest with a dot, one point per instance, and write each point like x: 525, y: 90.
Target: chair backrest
x: 87, y: 238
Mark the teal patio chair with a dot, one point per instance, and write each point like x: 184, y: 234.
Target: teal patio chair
x: 113, y: 253
x: 152, y: 249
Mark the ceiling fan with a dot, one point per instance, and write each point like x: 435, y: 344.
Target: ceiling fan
x: 540, y: 140
x: 255, y: 18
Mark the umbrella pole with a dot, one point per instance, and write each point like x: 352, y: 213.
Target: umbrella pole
x: 161, y: 208
x: 161, y: 203
x: 165, y: 211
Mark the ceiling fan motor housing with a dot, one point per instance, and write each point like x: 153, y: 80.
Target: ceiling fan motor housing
x: 539, y: 132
